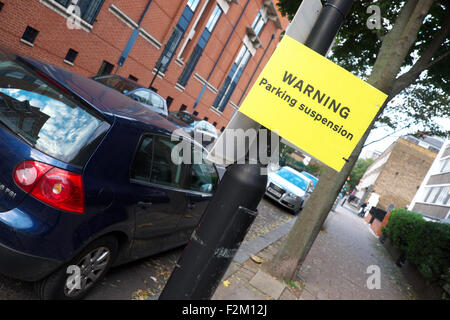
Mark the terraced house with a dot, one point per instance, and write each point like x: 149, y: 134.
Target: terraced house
x: 200, y: 55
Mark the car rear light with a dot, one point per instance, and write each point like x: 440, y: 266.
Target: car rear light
x: 28, y: 173
x: 56, y: 187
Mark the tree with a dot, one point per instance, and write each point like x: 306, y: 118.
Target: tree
x: 409, y: 55
x: 358, y: 171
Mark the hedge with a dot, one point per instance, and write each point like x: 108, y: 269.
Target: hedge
x: 425, y: 243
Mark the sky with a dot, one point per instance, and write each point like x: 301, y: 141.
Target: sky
x: 385, y: 143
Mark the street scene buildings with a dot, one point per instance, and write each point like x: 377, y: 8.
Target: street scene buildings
x: 207, y: 53
x: 107, y: 194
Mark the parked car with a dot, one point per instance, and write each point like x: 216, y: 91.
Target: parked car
x: 87, y: 180
x: 135, y: 91
x: 206, y: 132
x: 308, y: 175
x: 289, y: 188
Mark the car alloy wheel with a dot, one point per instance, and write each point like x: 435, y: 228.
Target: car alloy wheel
x: 91, y: 267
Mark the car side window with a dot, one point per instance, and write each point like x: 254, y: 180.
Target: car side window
x: 204, y: 177
x: 164, y: 170
x: 142, y: 96
x: 142, y: 164
x: 157, y: 101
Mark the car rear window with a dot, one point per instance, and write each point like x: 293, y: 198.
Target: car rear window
x: 46, y: 116
x: 117, y: 83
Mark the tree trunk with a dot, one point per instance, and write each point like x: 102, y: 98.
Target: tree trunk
x: 395, y: 47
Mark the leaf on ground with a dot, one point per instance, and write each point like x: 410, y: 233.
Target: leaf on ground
x: 226, y: 283
x: 256, y: 259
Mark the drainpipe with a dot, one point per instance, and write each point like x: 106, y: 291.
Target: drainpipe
x: 132, y: 39
x: 256, y: 69
x: 220, y: 55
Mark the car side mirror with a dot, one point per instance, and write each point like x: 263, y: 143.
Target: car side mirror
x: 207, y: 187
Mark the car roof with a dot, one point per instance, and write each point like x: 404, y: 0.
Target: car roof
x: 309, y: 175
x: 106, y: 100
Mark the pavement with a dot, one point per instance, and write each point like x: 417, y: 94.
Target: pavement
x: 335, y: 267
x: 339, y: 266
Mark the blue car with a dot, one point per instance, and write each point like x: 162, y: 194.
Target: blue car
x: 88, y: 179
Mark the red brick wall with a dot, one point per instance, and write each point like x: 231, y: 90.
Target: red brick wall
x: 109, y: 36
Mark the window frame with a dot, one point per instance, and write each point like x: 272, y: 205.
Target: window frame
x: 99, y: 3
x: 196, y: 192
x: 185, y: 170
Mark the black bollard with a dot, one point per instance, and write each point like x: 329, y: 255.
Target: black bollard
x: 219, y: 234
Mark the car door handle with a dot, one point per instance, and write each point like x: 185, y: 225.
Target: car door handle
x: 144, y: 205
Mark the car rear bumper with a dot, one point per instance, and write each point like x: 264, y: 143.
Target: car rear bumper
x: 25, y: 267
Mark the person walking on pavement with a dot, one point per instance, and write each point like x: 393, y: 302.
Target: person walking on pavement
x: 362, y: 212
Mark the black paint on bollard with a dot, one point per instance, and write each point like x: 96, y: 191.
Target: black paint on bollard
x: 219, y: 234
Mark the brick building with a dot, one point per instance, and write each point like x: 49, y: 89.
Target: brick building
x: 395, y: 176
x: 207, y: 53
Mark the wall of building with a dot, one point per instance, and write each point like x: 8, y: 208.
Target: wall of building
x: 437, y: 180
x: 402, y: 174
x: 115, y: 23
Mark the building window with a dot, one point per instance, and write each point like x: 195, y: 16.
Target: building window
x: 437, y: 195
x: 153, y: 89
x: 232, y: 79
x: 215, y: 124
x: 195, y: 113
x: 205, y: 118
x: 71, y: 56
x: 30, y: 35
x: 106, y: 68
x: 445, y: 165
x: 131, y: 77
x: 177, y: 34
x: 169, y: 101
x: 201, y: 44
x: 183, y: 107
x: 222, y: 129
x: 1, y: 5
x: 89, y: 8
x: 258, y: 24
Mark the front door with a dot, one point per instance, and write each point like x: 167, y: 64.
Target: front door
x: 160, y: 195
x: 203, y: 181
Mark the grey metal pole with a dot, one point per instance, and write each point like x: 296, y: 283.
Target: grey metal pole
x: 233, y: 208
x: 218, y: 236
x: 328, y: 24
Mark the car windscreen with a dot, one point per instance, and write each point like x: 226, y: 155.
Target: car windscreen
x: 293, y: 178
x: 46, y: 116
x: 186, y: 118
x: 117, y: 83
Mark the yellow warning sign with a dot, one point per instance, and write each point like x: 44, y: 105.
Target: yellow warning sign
x: 312, y: 102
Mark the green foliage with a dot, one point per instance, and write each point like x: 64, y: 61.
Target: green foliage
x: 358, y: 171
x: 426, y: 244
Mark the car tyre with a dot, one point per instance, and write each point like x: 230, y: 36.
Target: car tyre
x: 94, y: 262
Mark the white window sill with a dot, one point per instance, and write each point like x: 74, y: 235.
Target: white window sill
x: 179, y: 87
x: 62, y: 11
x: 215, y: 110
x: 68, y: 62
x: 27, y: 43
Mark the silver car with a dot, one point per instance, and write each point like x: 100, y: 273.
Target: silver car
x: 289, y: 188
